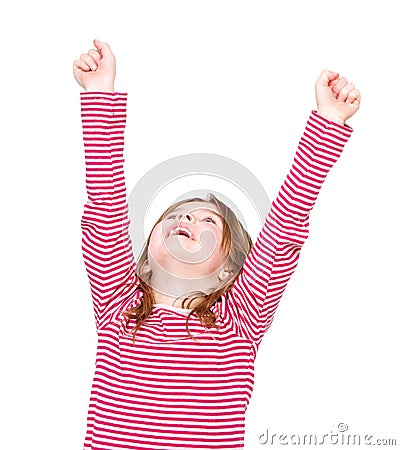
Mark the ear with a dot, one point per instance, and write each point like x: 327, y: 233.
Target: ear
x: 146, y: 269
x: 224, y: 273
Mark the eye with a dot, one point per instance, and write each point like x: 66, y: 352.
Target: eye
x: 210, y: 218
x: 171, y: 216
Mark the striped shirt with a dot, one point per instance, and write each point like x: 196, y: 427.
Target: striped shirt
x: 169, y: 391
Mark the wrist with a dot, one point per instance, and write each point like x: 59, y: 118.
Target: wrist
x: 332, y: 117
x: 99, y: 88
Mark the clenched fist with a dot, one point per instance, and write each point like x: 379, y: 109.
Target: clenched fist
x: 95, y: 70
x: 337, y: 99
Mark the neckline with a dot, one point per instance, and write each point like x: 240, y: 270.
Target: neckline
x: 172, y: 307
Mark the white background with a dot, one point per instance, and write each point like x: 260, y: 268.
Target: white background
x: 226, y: 77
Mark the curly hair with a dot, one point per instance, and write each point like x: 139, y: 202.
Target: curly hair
x: 236, y: 244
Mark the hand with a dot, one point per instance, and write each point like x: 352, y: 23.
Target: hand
x: 95, y: 70
x: 337, y: 99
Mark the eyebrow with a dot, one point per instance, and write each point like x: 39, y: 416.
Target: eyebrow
x: 209, y: 211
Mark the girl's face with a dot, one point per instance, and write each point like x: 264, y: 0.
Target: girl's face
x: 187, y: 242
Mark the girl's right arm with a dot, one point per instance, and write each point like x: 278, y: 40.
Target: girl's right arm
x: 106, y: 244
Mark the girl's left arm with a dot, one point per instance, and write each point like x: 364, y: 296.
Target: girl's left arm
x: 249, y: 305
x: 251, y: 302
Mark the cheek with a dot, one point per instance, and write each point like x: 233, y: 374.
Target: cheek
x: 212, y: 244
x: 156, y: 238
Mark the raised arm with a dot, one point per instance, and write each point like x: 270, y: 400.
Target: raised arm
x: 250, y: 304
x: 106, y: 244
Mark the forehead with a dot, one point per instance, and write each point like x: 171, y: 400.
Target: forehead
x: 198, y: 206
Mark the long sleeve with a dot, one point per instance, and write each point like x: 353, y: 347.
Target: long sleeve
x: 251, y: 302
x: 106, y: 245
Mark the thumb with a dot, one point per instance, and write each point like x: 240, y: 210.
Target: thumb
x: 103, y: 48
x: 326, y: 76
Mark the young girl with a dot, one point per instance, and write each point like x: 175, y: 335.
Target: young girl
x: 179, y: 331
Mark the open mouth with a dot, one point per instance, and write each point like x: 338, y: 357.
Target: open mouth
x: 180, y: 231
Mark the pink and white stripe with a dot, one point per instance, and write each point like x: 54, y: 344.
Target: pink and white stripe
x: 168, y: 391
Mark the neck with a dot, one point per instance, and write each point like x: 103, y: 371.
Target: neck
x: 167, y: 287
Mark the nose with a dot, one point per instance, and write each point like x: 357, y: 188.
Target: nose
x: 187, y: 217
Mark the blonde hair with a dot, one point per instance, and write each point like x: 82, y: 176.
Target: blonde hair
x: 236, y: 244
